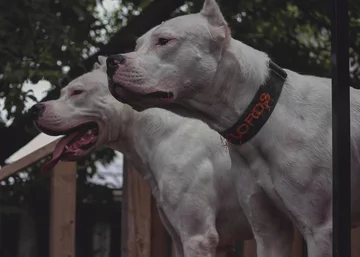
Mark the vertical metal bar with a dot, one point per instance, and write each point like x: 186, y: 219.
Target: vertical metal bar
x: 341, y: 129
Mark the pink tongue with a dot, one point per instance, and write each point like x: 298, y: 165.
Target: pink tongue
x: 59, y: 149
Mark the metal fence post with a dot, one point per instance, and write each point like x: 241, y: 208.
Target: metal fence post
x: 341, y: 129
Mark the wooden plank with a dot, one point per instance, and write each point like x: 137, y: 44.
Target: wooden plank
x: 27, y: 160
x: 159, y: 235
x: 63, y: 210
x: 250, y: 248
x: 355, y: 242
x: 138, y: 232
x: 297, y: 250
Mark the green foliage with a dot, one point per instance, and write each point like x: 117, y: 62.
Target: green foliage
x: 38, y: 38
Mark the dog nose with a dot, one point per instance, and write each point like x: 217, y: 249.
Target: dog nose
x: 115, y: 60
x: 36, y: 111
x: 112, y: 63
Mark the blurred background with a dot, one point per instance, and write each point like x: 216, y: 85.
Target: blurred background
x: 46, y: 43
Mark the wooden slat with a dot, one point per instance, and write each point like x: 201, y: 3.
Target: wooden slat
x: 27, y: 160
x: 355, y: 242
x: 138, y: 231
x: 159, y: 235
x: 297, y: 250
x: 250, y: 248
x: 63, y: 210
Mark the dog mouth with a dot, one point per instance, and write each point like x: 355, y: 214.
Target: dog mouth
x: 163, y: 95
x: 76, y: 143
x: 125, y: 94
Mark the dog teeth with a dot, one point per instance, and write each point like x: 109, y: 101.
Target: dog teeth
x: 89, y: 132
x: 66, y: 147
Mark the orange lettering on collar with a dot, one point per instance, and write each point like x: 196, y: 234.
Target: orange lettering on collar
x: 243, y: 129
x: 256, y: 112
x: 265, y: 99
x: 249, y: 119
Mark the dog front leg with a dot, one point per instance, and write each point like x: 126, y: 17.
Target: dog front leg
x: 319, y: 239
x: 201, y: 245
x: 273, y: 231
x: 197, y: 229
x: 201, y: 242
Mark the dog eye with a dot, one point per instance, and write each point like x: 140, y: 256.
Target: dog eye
x: 163, y: 41
x: 77, y: 92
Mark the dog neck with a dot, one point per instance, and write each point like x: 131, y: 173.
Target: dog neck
x: 119, y: 126
x: 140, y: 133
x: 240, y: 73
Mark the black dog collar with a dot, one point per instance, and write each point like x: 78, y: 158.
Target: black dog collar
x: 260, y: 108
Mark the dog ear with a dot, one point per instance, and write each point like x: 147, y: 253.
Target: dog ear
x: 101, y: 62
x: 64, y: 81
x: 212, y: 12
x: 96, y: 66
x: 102, y: 59
x: 217, y: 25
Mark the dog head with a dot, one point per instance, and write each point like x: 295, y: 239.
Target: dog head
x: 175, y: 58
x: 82, y: 114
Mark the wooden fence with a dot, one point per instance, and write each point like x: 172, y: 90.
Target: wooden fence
x: 143, y: 234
